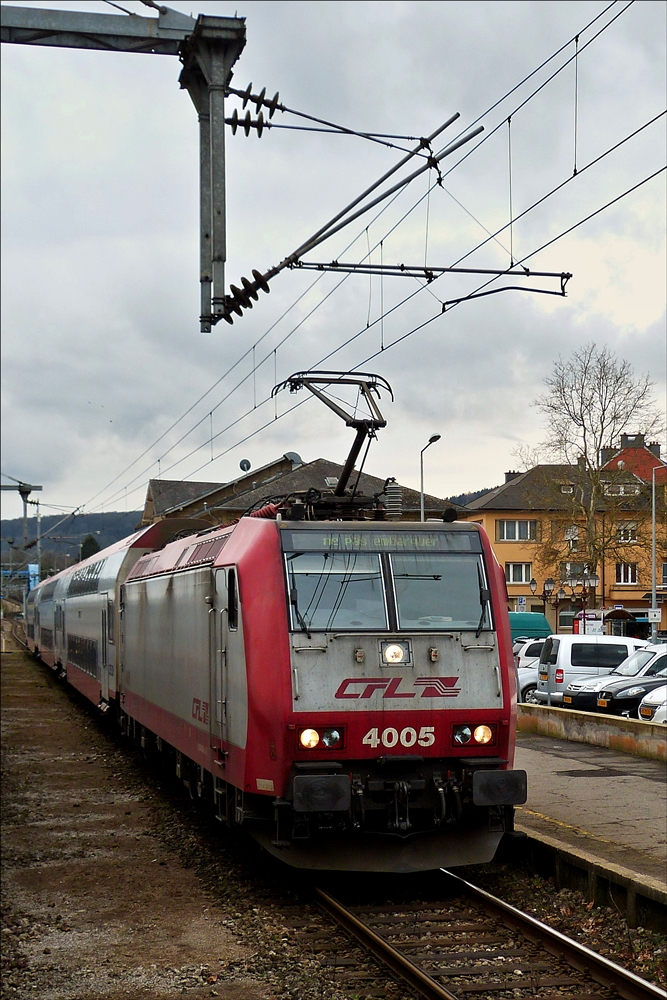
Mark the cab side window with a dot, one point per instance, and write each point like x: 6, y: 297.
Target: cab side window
x: 232, y: 601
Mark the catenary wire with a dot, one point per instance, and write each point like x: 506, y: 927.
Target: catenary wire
x: 545, y: 62
x: 412, y: 295
x: 431, y: 319
x: 478, y: 119
x: 532, y: 253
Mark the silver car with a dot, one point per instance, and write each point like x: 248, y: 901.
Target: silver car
x: 527, y: 660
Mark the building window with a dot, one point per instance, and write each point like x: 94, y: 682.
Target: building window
x: 572, y: 537
x: 621, y: 489
x: 573, y: 571
x: 626, y: 572
x: 518, y: 572
x: 626, y: 531
x: 517, y: 531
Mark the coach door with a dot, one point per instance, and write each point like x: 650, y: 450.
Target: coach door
x: 60, y: 643
x: 218, y: 658
x: 229, y: 698
x: 104, y: 651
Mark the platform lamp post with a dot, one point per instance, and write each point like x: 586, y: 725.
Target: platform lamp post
x: 433, y: 438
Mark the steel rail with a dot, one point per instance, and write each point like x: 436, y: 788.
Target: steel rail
x: 603, y: 970
x: 600, y: 969
x: 18, y: 638
x: 387, y: 954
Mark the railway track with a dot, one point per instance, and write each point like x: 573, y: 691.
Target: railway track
x: 476, y: 947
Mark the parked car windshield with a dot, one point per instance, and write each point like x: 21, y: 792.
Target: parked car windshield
x: 439, y: 591
x: 333, y: 590
x: 634, y: 663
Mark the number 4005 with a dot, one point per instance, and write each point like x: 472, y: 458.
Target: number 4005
x: 407, y: 737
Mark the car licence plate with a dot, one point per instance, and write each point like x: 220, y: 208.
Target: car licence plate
x: 602, y: 702
x: 544, y: 677
x: 567, y: 699
x: 645, y: 712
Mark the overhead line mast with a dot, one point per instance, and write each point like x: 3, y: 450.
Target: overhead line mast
x: 208, y: 47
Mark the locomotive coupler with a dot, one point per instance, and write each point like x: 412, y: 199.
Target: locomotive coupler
x: 358, y: 803
x: 440, y: 789
x: 401, y: 819
x: 282, y: 812
x: 455, y: 791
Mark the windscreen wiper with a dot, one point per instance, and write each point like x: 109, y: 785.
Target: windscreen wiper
x: 294, y: 601
x: 484, y: 598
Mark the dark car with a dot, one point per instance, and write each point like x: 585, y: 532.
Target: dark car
x: 622, y: 697
x: 582, y: 694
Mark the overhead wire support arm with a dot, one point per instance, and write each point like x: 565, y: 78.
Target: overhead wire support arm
x: 505, y: 288
x: 271, y: 104
x: 242, y: 298
x: 428, y: 273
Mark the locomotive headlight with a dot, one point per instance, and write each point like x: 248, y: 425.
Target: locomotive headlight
x: 462, y: 735
x: 332, y: 738
x: 309, y: 738
x: 483, y: 734
x: 393, y: 653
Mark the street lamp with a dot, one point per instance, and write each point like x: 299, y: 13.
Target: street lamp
x: 547, y: 591
x: 654, y: 598
x: 433, y: 438
x: 589, y: 583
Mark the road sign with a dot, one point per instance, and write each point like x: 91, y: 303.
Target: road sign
x: 521, y: 603
x: 654, y: 614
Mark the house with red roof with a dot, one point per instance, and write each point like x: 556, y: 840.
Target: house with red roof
x: 634, y: 455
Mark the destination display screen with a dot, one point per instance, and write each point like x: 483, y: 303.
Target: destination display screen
x: 338, y: 540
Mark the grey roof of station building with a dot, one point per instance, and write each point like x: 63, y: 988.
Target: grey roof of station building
x: 313, y: 475
x: 540, y: 489
x: 168, y: 494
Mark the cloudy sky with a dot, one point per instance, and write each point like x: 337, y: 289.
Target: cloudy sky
x: 102, y: 350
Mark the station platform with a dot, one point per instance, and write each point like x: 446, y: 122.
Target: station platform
x: 606, y: 806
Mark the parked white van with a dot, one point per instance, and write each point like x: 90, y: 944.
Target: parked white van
x: 565, y: 657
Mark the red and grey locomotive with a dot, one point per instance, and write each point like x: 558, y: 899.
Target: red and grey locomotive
x: 342, y: 688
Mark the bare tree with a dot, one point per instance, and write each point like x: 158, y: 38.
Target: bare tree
x: 596, y: 515
x: 592, y: 397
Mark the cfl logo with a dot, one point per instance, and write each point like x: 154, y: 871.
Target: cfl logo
x: 431, y: 687
x: 200, y: 710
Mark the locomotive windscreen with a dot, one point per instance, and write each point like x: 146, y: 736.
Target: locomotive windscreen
x: 336, y: 590
x: 385, y: 580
